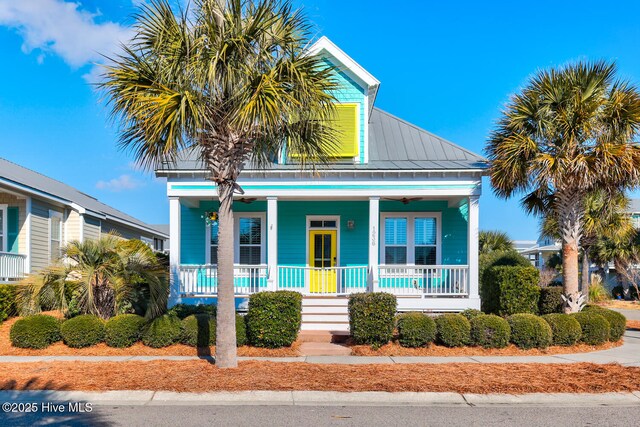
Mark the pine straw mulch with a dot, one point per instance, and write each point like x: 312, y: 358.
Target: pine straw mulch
x: 201, y: 376
x: 621, y: 304
x: 633, y: 325
x: 138, y: 349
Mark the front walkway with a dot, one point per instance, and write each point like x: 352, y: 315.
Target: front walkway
x: 628, y: 354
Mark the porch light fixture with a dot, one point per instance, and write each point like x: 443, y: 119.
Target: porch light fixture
x: 351, y: 224
x: 210, y: 218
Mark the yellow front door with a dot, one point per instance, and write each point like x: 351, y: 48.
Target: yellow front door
x: 322, y: 256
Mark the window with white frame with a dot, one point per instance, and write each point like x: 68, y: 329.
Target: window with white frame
x: 410, y: 238
x: 250, y: 248
x: 55, y: 235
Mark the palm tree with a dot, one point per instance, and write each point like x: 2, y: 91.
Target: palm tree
x: 230, y: 79
x: 566, y: 134
x: 106, y: 275
x: 623, y: 250
x: 492, y: 241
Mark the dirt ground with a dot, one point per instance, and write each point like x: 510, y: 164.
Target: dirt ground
x: 201, y: 376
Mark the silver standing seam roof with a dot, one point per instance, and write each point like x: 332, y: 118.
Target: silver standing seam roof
x: 394, y: 144
x: 41, y: 183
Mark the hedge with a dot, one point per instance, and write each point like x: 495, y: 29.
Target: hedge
x: 199, y: 330
x: 241, y: 330
x: 498, y: 258
x: 530, y: 331
x: 550, y: 300
x: 566, y: 330
x: 415, y: 330
x: 274, y: 318
x: 371, y: 317
x: 124, y: 330
x: 617, y: 321
x: 182, y: 311
x: 37, y: 331
x: 7, y: 301
x: 595, y: 328
x: 470, y: 313
x: 453, y: 330
x: 490, y: 331
x: 510, y: 290
x: 163, y: 331
x: 82, y: 331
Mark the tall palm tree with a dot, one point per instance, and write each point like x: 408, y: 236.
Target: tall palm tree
x: 232, y: 80
x: 492, y: 241
x: 566, y: 134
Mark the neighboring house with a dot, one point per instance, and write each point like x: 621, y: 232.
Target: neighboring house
x: 39, y: 215
x: 397, y: 213
x: 543, y: 249
x: 161, y: 244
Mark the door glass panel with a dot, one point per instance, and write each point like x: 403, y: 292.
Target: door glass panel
x: 317, y: 250
x: 327, y: 250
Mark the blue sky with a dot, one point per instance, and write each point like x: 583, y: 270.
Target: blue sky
x: 448, y: 67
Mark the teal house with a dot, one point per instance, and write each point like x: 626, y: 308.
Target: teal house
x: 397, y: 212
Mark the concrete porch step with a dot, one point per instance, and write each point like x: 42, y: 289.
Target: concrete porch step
x: 323, y: 349
x: 323, y: 336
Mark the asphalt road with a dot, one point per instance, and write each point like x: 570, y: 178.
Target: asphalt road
x: 191, y: 416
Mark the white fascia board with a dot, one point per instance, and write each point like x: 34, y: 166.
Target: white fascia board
x: 34, y: 192
x: 188, y: 175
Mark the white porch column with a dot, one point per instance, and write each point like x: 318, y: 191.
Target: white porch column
x: 374, y: 251
x: 272, y: 241
x: 174, y: 253
x: 472, y: 251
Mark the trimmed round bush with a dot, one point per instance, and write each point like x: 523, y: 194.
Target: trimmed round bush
x: 7, y: 301
x: 595, y: 328
x: 550, y: 300
x: 453, y: 330
x: 163, y: 331
x: 529, y: 331
x: 416, y: 330
x: 617, y: 321
x: 199, y: 330
x: 39, y: 331
x: 372, y: 317
x: 182, y: 311
x: 274, y: 318
x: 470, y: 313
x: 83, y: 331
x: 490, y: 331
x: 566, y: 330
x: 124, y: 330
x: 241, y: 330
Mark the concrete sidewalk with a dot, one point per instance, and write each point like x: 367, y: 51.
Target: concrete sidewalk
x: 323, y: 398
x: 628, y: 354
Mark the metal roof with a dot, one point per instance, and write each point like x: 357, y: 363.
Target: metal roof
x: 38, y: 183
x: 394, y: 144
x: 634, y: 206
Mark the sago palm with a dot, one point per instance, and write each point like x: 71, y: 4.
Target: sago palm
x: 567, y: 133
x: 492, y: 241
x: 231, y: 80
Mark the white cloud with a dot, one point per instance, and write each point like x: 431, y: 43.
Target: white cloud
x: 62, y: 28
x: 122, y: 183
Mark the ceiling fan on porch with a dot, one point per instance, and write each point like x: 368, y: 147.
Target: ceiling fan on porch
x: 247, y: 200
x: 404, y: 200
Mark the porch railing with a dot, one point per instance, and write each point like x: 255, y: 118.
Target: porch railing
x: 203, y: 279
x: 323, y: 281
x: 437, y: 280
x: 11, y: 266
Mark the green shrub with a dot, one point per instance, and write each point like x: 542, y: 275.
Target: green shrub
x: 199, y: 330
x: 182, y: 311
x: 82, y: 331
x: 510, y: 290
x: 415, y: 330
x: 453, y: 330
x: 617, y: 321
x: 597, y: 291
x: 530, y: 331
x: 163, y: 331
x: 273, y: 319
x: 550, y: 300
x: 566, y: 330
x: 241, y: 330
x: 37, y: 331
x: 124, y: 330
x: 7, y: 301
x: 490, y: 331
x: 470, y: 313
x: 371, y: 317
x: 595, y: 328
x: 497, y: 258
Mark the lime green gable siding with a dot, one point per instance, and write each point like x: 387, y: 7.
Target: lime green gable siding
x: 292, y: 226
x: 350, y: 92
x: 454, y: 226
x: 193, y: 228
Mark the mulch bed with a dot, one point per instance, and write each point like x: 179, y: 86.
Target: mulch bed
x: 201, y: 376
x: 633, y: 325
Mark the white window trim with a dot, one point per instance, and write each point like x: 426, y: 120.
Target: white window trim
x: 411, y: 216
x: 310, y: 218
x: 236, y: 237
x: 55, y: 214
x: 5, y: 228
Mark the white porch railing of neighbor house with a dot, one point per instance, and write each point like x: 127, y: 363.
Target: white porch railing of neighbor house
x: 437, y: 280
x: 11, y: 266
x: 203, y: 279
x: 323, y: 281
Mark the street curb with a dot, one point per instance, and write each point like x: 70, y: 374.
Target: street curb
x: 320, y: 398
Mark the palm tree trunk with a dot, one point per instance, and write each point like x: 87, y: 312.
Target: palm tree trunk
x: 226, y: 351
x: 570, y: 272
x: 585, y: 272
x: 570, y: 210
